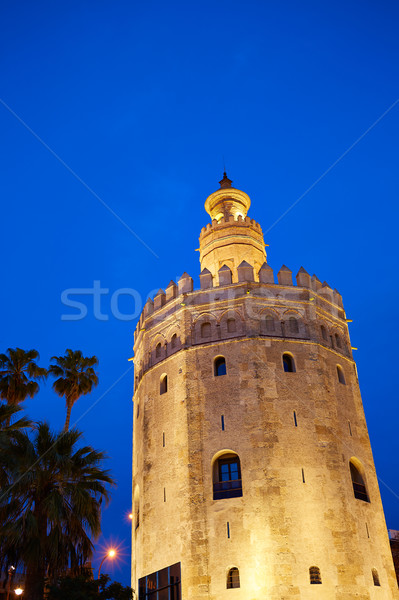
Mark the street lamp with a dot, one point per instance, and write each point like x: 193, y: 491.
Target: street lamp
x: 19, y: 591
x: 10, y: 572
x: 110, y: 554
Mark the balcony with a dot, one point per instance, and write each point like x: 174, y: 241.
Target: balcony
x: 360, y: 491
x: 227, y: 489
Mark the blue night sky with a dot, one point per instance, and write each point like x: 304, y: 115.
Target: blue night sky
x: 142, y: 100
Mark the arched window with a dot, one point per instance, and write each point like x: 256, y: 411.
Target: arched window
x: 341, y: 376
x: 293, y: 325
x: 173, y: 341
x: 158, y: 350
x: 231, y: 325
x: 288, y: 363
x: 227, y: 477
x: 163, y: 384
x: 337, y: 340
x: 376, y: 579
x: 219, y: 366
x: 324, y: 333
x: 269, y: 323
x: 233, y: 578
x: 314, y: 574
x: 359, y: 486
x: 206, y: 330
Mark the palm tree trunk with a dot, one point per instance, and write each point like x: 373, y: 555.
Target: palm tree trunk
x: 36, y: 571
x: 68, y: 415
x: 34, y: 585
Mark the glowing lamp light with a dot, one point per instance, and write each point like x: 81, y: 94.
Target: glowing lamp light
x: 19, y: 591
x: 131, y: 516
x: 110, y: 554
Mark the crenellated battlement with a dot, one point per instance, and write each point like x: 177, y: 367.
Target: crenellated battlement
x: 177, y: 309
x: 228, y: 221
x: 185, y: 285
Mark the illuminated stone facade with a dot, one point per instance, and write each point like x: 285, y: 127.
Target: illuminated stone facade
x: 252, y: 464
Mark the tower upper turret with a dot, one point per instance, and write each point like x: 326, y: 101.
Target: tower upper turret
x: 227, y: 201
x: 233, y: 237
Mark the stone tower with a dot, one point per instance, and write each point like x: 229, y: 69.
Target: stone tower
x: 253, y: 476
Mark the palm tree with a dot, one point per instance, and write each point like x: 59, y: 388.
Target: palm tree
x: 19, y: 374
x: 76, y: 377
x: 10, y: 432
x: 51, y: 506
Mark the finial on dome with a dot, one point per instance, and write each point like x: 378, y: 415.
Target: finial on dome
x: 227, y: 201
x: 225, y: 182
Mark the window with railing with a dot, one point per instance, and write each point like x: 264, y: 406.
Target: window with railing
x: 358, y: 483
x: 233, y: 578
x: 314, y: 575
x: 227, y: 477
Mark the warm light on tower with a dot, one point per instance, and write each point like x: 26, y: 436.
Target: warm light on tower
x: 19, y: 591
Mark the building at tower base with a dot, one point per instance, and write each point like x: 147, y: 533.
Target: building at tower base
x: 253, y: 476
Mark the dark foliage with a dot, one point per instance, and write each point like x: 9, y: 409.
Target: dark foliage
x: 80, y: 588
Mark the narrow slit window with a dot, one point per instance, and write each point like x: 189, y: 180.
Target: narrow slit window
x: 233, y: 578
x: 164, y: 494
x: 288, y: 363
x: 219, y: 366
x: 163, y: 385
x: 367, y: 530
x: 303, y: 476
x: 138, y: 411
x: 228, y: 529
x: 350, y: 428
x: 163, y: 439
x: 315, y: 575
x: 222, y: 421
x: 295, y: 420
